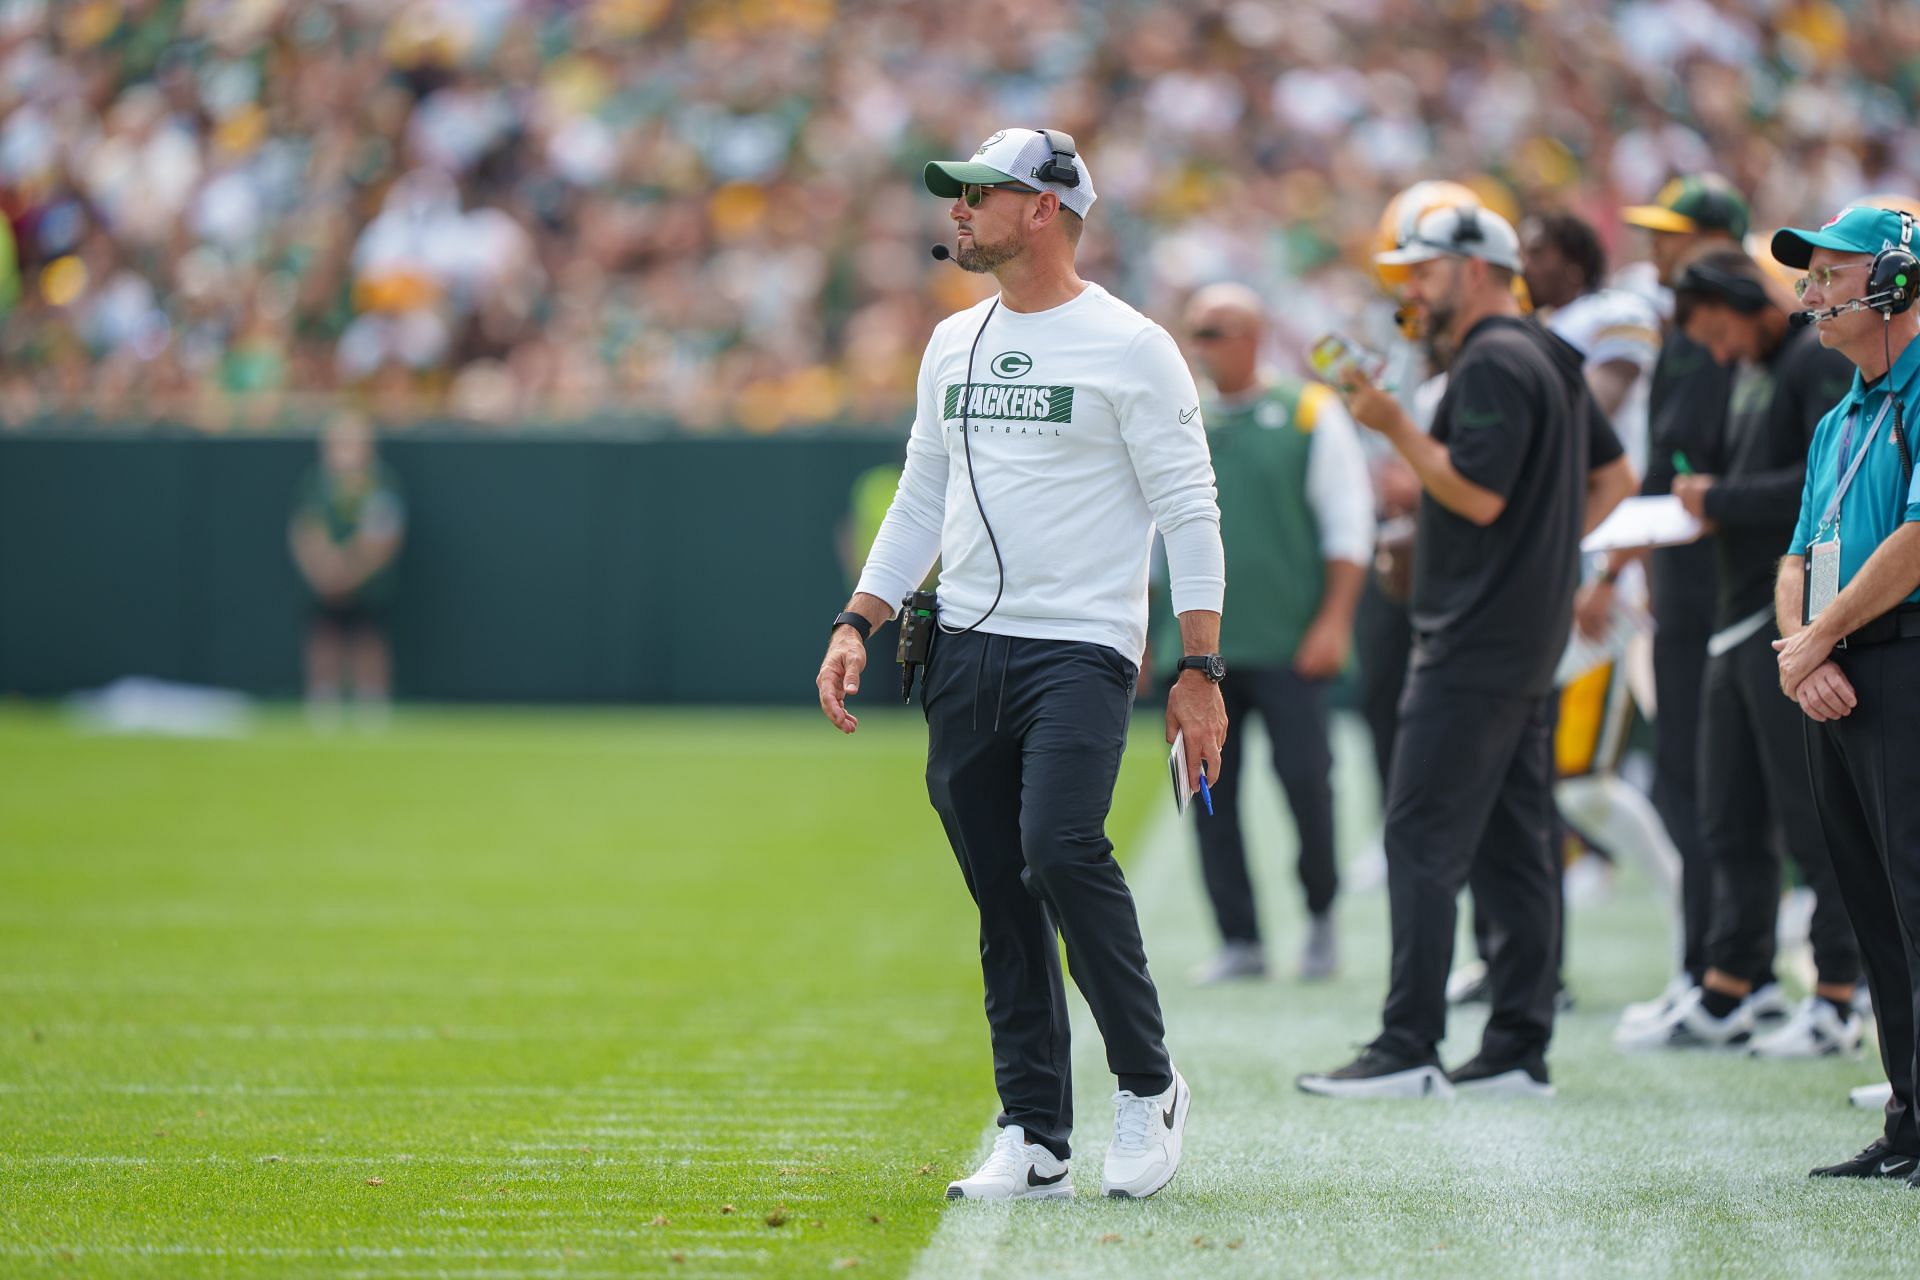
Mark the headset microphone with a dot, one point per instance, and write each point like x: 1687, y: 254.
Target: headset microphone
x: 1874, y: 302
x: 941, y: 253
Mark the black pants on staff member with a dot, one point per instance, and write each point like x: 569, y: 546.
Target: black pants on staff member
x: 1472, y: 805
x: 1294, y: 710
x: 1682, y: 582
x: 1024, y: 739
x: 1753, y: 773
x: 1866, y: 783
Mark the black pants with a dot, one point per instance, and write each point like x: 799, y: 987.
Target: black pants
x: 1753, y: 774
x: 1024, y: 739
x: 1383, y: 637
x: 1471, y: 805
x: 1294, y: 711
x: 1866, y: 783
x: 1683, y: 587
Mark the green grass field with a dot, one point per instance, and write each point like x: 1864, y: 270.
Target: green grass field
x: 594, y: 994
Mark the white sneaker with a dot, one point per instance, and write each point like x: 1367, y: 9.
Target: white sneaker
x: 1816, y: 1030
x: 1468, y: 983
x: 1648, y: 1011
x: 1871, y: 1097
x: 1688, y: 1025
x: 1147, y: 1133
x: 1235, y: 961
x: 1016, y: 1170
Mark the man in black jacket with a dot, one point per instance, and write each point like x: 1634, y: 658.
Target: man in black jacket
x: 1519, y: 463
x: 1753, y: 764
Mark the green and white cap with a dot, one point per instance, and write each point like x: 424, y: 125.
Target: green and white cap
x: 1856, y: 229
x: 1013, y: 155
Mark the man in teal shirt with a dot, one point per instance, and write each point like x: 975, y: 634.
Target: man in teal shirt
x: 1847, y: 605
x: 1296, y: 512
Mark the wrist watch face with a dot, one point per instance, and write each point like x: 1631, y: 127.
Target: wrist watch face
x: 1210, y: 665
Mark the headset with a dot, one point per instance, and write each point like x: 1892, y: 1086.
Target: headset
x: 1893, y: 280
x: 1059, y: 166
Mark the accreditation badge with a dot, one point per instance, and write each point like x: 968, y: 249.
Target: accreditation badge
x: 1822, y: 579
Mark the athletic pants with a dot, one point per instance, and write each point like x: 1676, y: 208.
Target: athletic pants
x: 1024, y: 739
x: 1753, y: 774
x: 1294, y: 711
x: 1683, y: 587
x: 1471, y: 804
x: 1866, y: 784
x: 1383, y: 636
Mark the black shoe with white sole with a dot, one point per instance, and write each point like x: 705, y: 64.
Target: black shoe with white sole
x: 1486, y: 1077
x: 1877, y: 1161
x: 1380, y: 1073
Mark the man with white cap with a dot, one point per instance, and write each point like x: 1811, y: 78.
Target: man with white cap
x: 1056, y: 428
x: 1519, y: 463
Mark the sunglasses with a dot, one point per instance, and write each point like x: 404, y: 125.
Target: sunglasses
x: 974, y: 192
x: 1209, y: 334
x: 1823, y: 276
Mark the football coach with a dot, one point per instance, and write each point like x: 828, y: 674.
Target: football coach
x: 1055, y: 428
x: 1847, y: 603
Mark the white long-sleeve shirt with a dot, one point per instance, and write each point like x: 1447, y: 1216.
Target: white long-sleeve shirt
x: 1085, y: 434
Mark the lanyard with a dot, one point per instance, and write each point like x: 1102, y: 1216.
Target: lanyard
x: 1866, y: 447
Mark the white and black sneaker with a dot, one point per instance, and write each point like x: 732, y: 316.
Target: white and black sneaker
x: 1688, y: 1025
x: 1015, y: 1170
x: 1649, y: 1011
x: 1816, y: 1030
x: 1768, y: 1007
x: 1481, y: 1077
x: 1380, y: 1073
x: 1147, y: 1134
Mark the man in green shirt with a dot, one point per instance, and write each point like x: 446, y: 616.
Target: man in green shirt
x: 1296, y: 510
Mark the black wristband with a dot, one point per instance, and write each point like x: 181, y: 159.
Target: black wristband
x: 857, y: 621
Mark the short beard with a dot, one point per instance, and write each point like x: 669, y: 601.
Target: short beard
x: 982, y: 258
x: 1439, y: 346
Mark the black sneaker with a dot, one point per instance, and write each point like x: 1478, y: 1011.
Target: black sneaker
x: 1380, y: 1073
x: 1485, y: 1077
x: 1877, y: 1161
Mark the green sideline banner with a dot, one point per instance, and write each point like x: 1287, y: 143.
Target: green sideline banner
x: 536, y: 568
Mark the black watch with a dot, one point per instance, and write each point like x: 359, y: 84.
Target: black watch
x: 851, y: 619
x: 1210, y: 665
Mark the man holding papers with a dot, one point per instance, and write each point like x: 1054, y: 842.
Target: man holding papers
x: 1753, y: 769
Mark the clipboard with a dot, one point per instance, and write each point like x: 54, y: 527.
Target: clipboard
x: 1177, y: 774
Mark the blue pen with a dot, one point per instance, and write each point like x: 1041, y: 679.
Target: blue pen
x: 1206, y: 796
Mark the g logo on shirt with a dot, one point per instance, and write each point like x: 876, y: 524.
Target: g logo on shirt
x: 1011, y: 364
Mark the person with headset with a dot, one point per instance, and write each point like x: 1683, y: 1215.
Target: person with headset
x: 1056, y: 428
x: 1847, y: 601
x: 1520, y: 461
x: 1747, y: 493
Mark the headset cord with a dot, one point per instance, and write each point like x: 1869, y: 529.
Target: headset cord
x: 973, y: 481
x: 1899, y: 426
x: 999, y: 565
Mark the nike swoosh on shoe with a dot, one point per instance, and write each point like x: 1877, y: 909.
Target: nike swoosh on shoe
x: 1034, y: 1180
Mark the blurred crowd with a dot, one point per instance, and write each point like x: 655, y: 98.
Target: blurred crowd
x: 709, y: 213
